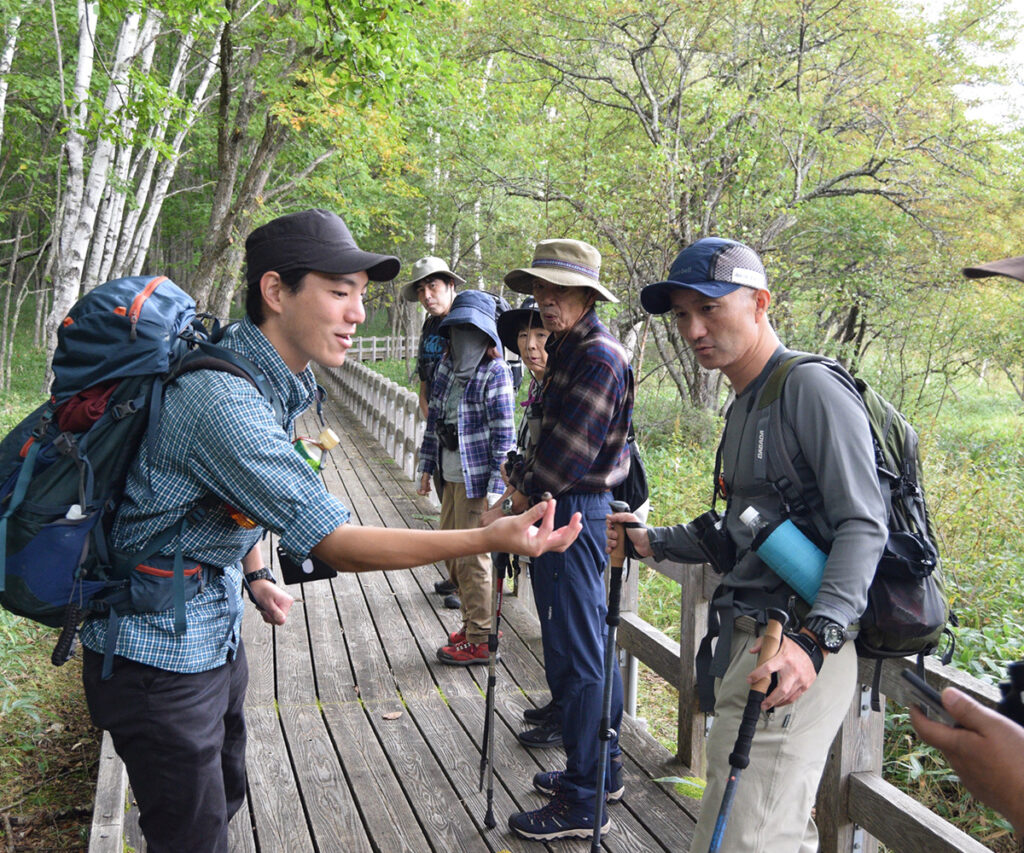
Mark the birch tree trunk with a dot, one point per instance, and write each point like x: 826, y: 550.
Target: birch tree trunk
x: 157, y: 174
x: 69, y: 251
x: 111, y: 209
x: 6, y: 61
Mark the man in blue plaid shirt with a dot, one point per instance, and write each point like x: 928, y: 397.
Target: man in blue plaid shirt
x: 173, y: 705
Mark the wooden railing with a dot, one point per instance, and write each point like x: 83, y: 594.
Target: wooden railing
x: 380, y: 348
x: 856, y: 808
x: 389, y: 411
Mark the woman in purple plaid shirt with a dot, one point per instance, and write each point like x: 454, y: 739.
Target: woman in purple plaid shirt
x: 469, y: 432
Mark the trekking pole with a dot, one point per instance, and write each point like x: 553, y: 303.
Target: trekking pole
x: 501, y: 564
x: 615, y: 561
x: 66, y: 641
x: 739, y: 758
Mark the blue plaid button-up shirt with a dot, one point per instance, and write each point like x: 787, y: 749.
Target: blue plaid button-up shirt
x: 219, y: 438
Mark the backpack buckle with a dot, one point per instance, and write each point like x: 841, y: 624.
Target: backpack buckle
x: 123, y: 410
x: 64, y: 444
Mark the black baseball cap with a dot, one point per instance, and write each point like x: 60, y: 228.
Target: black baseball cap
x: 316, y: 240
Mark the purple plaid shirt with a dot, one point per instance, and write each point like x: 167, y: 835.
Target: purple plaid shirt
x: 588, y: 402
x: 486, y: 427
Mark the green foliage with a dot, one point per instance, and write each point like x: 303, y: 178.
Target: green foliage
x: 397, y: 371
x: 26, y: 392
x: 686, y: 786
x: 24, y: 709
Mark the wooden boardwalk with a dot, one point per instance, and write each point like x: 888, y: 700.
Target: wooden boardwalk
x: 359, y: 740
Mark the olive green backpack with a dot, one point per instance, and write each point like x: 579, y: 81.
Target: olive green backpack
x: 908, y: 610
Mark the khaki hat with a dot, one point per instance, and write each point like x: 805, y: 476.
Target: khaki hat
x: 424, y: 268
x: 570, y: 263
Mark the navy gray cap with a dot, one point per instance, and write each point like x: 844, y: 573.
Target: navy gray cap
x: 473, y: 308
x: 315, y: 240
x: 713, y: 266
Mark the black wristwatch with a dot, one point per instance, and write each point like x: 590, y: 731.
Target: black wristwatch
x: 260, y: 575
x: 508, y: 507
x: 813, y: 650
x: 830, y: 635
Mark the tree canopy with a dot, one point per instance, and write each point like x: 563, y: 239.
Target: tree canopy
x: 832, y: 135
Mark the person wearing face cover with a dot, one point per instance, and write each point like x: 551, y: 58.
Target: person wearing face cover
x: 469, y: 431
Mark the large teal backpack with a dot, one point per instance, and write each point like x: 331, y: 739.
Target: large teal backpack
x: 63, y: 468
x: 908, y: 611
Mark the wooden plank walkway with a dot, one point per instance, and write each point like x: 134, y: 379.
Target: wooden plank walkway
x: 359, y: 740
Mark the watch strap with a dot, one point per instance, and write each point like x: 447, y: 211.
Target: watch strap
x: 260, y: 575
x: 812, y: 649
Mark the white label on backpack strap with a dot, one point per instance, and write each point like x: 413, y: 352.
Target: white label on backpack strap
x: 760, y: 460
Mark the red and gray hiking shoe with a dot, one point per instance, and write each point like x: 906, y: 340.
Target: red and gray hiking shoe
x: 558, y: 819
x: 457, y: 637
x: 463, y: 654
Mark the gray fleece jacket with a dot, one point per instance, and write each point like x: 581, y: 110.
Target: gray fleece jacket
x: 827, y: 435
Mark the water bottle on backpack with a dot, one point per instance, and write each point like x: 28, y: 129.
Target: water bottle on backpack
x: 787, y: 552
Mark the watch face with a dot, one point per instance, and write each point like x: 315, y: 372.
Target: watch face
x: 832, y: 637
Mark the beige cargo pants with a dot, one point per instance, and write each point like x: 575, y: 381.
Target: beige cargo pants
x: 775, y: 794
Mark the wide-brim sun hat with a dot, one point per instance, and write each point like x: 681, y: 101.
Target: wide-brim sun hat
x: 511, y: 322
x: 473, y: 308
x: 1009, y: 267
x: 424, y: 268
x: 569, y: 263
x: 316, y: 240
x: 712, y: 266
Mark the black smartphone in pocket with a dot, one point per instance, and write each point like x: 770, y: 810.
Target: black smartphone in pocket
x: 310, y: 569
x: 929, y: 700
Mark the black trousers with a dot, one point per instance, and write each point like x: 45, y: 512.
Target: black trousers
x: 182, y: 740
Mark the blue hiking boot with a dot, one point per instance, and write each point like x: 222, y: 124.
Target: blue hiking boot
x: 549, y: 783
x: 558, y: 819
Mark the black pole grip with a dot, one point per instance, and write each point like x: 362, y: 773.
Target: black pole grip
x: 66, y: 641
x: 614, y: 597
x: 740, y: 755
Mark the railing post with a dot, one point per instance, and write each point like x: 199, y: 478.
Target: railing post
x: 857, y: 746
x: 692, y: 625
x: 391, y: 439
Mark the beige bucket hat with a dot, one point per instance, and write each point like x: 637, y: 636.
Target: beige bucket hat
x: 424, y: 268
x: 570, y: 263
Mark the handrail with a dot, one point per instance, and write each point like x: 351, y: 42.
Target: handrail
x: 379, y: 348
x: 855, y: 805
x: 389, y: 411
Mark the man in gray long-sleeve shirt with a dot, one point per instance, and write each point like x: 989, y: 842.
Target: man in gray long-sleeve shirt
x: 717, y: 290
